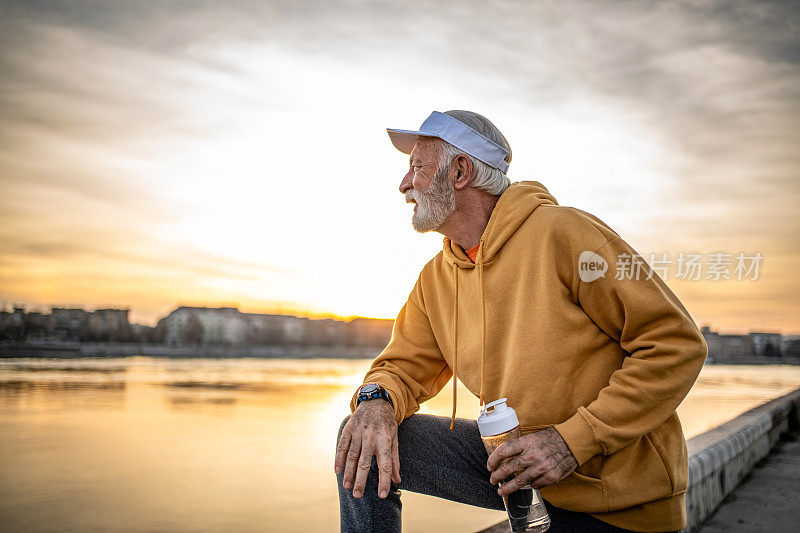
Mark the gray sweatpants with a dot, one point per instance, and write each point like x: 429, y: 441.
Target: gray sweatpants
x: 442, y: 463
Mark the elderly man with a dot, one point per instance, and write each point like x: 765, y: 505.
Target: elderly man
x: 523, y: 302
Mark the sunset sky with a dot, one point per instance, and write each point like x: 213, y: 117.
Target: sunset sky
x: 155, y: 154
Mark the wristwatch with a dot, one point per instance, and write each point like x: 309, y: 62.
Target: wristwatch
x: 371, y: 391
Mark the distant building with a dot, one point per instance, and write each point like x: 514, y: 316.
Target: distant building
x: 204, y: 325
x: 791, y: 345
x: 69, y: 324
x: 267, y: 329
x: 110, y: 325
x: 12, y: 324
x: 229, y: 326
x: 766, y: 344
x: 755, y: 343
x: 36, y: 325
x: 370, y: 332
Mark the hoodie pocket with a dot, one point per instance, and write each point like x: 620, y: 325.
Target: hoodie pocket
x: 635, y: 474
x: 578, y: 492
x: 670, y: 444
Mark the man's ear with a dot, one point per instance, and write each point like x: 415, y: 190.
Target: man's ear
x: 463, y: 169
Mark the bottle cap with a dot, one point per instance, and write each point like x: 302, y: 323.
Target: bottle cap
x: 496, y: 418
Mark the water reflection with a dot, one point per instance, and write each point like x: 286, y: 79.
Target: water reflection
x: 59, y: 385
x: 186, y: 401
x: 84, y: 369
x: 141, y: 444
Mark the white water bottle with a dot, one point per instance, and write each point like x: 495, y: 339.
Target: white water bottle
x: 498, y: 423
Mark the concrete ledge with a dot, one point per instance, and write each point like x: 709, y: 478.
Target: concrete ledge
x: 720, y: 458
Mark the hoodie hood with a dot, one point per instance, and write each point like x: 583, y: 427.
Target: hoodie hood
x: 515, y: 205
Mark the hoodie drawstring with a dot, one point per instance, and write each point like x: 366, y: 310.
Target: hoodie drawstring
x: 483, y: 318
x: 455, y: 334
x: 455, y: 348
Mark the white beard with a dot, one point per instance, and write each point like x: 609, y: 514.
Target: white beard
x: 435, y: 204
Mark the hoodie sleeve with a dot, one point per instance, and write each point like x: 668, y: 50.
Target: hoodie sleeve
x: 665, y: 351
x: 411, y: 367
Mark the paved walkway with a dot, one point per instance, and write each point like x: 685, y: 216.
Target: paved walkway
x: 768, y: 499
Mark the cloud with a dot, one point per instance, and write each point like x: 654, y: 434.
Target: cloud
x: 673, y: 121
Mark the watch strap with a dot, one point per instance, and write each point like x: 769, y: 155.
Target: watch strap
x: 378, y: 393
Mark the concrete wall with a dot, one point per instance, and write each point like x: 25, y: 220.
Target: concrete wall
x: 720, y: 458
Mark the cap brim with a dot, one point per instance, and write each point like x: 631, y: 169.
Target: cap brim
x: 404, y: 140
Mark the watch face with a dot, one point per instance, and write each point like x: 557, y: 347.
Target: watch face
x: 369, y: 388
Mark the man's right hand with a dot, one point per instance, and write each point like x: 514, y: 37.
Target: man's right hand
x: 370, y: 431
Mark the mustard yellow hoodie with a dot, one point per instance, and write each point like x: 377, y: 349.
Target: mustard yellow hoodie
x: 606, y: 361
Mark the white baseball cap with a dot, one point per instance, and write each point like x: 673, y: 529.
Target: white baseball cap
x: 456, y: 133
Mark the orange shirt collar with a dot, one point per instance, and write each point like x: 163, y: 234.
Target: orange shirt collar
x: 472, y: 253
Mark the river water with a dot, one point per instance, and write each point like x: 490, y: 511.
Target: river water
x: 239, y: 445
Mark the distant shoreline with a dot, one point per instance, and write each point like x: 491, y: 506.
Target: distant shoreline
x: 68, y: 350
x: 99, y: 349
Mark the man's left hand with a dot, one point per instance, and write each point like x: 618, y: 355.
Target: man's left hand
x: 538, y: 459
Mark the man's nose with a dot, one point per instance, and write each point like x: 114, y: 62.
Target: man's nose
x: 406, y: 183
